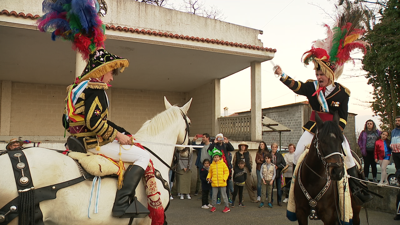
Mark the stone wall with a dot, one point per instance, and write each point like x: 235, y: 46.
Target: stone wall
x: 294, y: 116
x: 388, y: 203
x: 290, y: 117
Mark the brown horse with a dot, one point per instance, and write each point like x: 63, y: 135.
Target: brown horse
x: 316, y: 192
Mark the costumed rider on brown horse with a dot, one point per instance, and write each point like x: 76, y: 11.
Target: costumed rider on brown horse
x: 325, y: 97
x: 85, y: 118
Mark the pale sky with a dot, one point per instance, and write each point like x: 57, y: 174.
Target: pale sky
x: 290, y: 26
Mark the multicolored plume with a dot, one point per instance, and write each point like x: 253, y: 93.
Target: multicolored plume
x: 76, y: 21
x: 334, y: 51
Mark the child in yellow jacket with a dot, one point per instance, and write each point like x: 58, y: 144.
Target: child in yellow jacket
x: 218, y: 175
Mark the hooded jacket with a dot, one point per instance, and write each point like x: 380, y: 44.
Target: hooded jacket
x: 218, y: 173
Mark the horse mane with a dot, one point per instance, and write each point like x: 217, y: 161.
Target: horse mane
x: 160, y: 121
x: 328, y: 128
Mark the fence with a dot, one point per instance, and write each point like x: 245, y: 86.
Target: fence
x: 236, y: 128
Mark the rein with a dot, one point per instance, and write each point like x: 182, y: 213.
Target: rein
x: 313, y: 201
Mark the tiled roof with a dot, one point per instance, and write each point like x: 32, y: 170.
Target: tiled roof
x: 21, y: 14
x: 156, y: 33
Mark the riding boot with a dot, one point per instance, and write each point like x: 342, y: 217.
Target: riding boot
x: 133, y: 175
x: 358, y: 189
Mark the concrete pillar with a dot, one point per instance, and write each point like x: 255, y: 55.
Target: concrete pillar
x: 5, y: 108
x: 216, y: 108
x: 256, y: 111
x: 79, y: 64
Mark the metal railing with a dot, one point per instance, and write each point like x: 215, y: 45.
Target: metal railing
x: 236, y: 128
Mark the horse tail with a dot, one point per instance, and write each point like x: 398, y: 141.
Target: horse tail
x: 154, y: 203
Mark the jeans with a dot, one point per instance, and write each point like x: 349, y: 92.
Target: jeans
x: 369, y: 160
x: 278, y: 183
x: 396, y: 159
x: 170, y: 180
x: 259, y: 181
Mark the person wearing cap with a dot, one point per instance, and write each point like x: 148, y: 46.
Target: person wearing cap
x: 244, y: 155
x: 86, y: 119
x: 325, y: 97
x: 14, y: 144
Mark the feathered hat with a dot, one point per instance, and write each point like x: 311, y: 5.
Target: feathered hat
x: 330, y: 54
x: 78, y: 21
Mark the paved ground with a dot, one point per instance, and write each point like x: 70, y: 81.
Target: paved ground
x: 189, y: 212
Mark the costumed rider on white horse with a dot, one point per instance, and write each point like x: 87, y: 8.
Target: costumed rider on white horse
x: 85, y: 118
x: 325, y: 97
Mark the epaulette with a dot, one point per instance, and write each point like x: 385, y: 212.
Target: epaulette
x: 309, y: 80
x: 346, y: 90
x: 97, y: 85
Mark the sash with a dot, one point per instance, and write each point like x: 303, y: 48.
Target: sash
x: 321, y: 99
x: 73, y: 95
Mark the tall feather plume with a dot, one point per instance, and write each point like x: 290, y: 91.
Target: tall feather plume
x: 76, y: 21
x: 341, y: 40
x: 327, y: 42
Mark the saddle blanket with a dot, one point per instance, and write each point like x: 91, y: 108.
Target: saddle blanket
x: 344, y: 197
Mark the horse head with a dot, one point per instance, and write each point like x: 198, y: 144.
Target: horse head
x: 184, y: 125
x: 328, y: 143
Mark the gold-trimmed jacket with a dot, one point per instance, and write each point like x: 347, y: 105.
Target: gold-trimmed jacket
x: 94, y: 129
x: 337, y: 100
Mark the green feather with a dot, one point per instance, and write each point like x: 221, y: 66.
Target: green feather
x: 337, y: 35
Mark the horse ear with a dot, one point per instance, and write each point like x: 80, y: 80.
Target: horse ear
x: 336, y: 117
x: 186, y: 107
x: 320, y: 123
x: 166, y: 103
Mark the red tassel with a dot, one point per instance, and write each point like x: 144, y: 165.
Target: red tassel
x: 156, y: 215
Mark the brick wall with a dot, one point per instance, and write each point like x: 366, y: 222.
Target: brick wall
x: 201, y: 110
x: 36, y: 109
x: 131, y: 108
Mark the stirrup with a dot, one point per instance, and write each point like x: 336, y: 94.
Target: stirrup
x: 136, y: 210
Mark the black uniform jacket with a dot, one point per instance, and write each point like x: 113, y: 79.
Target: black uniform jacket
x: 94, y: 129
x: 337, y: 100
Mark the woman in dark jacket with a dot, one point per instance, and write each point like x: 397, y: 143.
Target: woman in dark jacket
x: 244, y: 155
x: 279, y: 162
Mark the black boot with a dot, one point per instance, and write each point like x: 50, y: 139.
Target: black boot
x: 133, y: 175
x: 358, y: 189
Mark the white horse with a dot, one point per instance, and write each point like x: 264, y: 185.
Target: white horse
x: 48, y: 167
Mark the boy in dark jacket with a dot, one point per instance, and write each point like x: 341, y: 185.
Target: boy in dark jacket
x: 239, y: 178
x: 205, y: 185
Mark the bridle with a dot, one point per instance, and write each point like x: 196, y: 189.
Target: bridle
x: 313, y: 201
x: 187, y: 129
x: 324, y: 158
